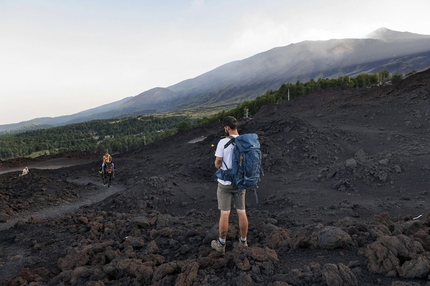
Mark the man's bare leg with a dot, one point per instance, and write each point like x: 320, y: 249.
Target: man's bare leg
x: 223, y: 224
x: 243, y: 223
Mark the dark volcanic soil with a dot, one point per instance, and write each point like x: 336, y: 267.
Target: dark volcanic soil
x: 344, y: 201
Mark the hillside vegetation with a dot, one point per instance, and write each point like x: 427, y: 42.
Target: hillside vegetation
x: 126, y: 134
x: 117, y: 136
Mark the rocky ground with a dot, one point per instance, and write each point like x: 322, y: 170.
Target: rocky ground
x: 344, y: 201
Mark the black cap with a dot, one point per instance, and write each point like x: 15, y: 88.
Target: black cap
x: 230, y: 121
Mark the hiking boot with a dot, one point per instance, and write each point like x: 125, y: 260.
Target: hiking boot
x: 242, y: 244
x: 215, y: 244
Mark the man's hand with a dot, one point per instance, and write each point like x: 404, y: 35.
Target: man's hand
x: 218, y: 162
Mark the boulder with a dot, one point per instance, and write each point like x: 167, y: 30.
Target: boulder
x: 338, y: 275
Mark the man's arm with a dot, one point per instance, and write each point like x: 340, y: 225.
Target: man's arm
x: 218, y: 162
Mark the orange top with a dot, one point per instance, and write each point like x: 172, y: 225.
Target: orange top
x: 107, y: 158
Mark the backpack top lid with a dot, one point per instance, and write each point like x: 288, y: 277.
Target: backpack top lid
x: 247, y: 141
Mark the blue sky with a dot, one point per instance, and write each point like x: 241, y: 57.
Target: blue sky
x: 60, y: 57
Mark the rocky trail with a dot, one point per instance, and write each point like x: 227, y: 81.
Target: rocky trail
x: 101, y: 193
x: 344, y: 201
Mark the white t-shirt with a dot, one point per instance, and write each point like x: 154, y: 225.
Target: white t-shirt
x: 226, y: 155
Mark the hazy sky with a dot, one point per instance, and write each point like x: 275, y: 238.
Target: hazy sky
x: 60, y: 57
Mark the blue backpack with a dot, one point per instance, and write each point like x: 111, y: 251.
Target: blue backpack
x: 246, y: 163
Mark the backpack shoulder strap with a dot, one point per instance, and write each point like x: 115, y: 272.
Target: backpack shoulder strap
x: 229, y: 142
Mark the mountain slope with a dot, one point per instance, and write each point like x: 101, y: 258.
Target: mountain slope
x: 387, y: 34
x: 249, y: 78
x: 235, y: 82
x: 101, y: 112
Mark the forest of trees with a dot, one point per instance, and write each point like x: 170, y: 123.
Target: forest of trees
x: 117, y: 136
x: 126, y: 134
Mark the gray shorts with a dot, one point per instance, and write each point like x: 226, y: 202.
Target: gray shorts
x: 225, y: 193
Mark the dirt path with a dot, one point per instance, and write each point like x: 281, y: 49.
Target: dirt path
x: 50, y: 164
x: 88, y: 199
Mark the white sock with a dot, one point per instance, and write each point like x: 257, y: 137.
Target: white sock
x: 243, y: 239
x: 221, y: 240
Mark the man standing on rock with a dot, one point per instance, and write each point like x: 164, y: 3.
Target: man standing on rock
x: 226, y: 190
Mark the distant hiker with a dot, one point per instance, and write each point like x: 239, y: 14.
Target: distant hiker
x: 25, y: 171
x: 227, y: 191
x: 107, y: 159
